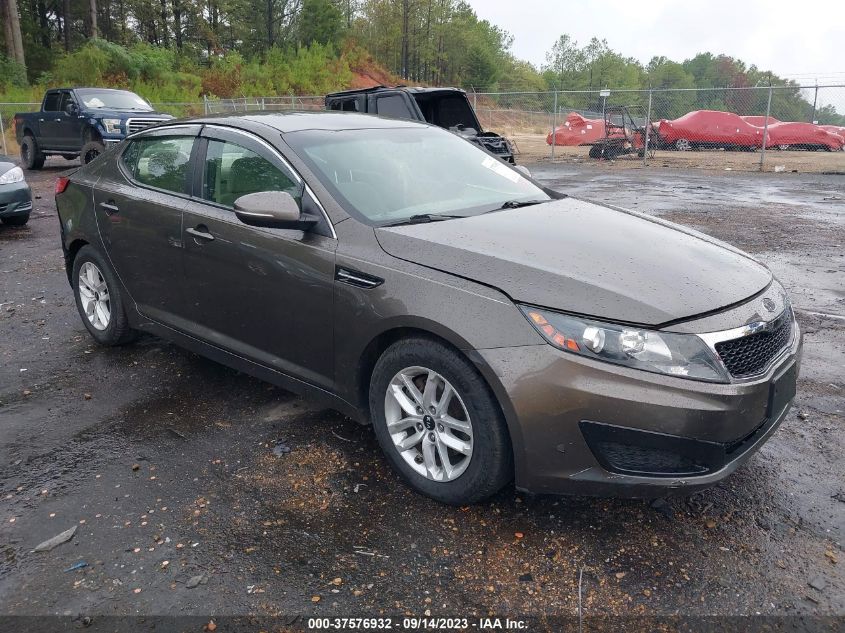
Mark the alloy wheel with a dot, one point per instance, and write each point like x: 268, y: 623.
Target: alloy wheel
x: 429, y: 423
x: 682, y: 145
x: 94, y: 295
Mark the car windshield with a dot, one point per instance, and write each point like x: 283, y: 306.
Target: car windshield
x: 387, y: 175
x: 113, y: 100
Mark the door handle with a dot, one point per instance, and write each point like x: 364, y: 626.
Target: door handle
x: 109, y: 207
x: 59, y: 120
x: 201, y: 233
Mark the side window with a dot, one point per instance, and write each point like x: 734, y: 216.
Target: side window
x: 232, y: 171
x: 51, y: 101
x: 160, y: 161
x: 65, y: 101
x: 344, y: 105
x: 393, y: 105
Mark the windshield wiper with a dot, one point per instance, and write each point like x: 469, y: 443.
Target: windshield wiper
x: 516, y: 204
x: 424, y: 218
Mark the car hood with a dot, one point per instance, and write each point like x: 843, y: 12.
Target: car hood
x: 127, y: 114
x: 586, y: 258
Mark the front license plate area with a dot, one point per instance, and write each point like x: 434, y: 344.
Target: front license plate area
x: 781, y: 392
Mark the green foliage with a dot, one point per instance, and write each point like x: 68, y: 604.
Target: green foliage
x: 12, y: 74
x: 320, y: 22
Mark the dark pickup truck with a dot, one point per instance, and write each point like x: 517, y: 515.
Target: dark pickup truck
x: 445, y: 107
x: 81, y: 122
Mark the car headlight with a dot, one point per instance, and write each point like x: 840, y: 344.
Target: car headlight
x: 681, y: 355
x: 112, y: 125
x: 15, y: 174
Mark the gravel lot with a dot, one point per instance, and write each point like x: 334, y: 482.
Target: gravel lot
x: 164, y: 462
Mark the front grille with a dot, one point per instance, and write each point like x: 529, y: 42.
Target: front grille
x: 497, y: 147
x: 136, y: 125
x: 752, y: 354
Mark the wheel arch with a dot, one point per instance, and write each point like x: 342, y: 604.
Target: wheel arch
x: 384, y: 339
x: 90, y: 133
x: 70, y: 255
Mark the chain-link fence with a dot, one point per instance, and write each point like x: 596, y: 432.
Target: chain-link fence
x: 778, y: 128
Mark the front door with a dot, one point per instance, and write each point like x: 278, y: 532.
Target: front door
x: 264, y: 294
x: 68, y: 126
x: 139, y: 202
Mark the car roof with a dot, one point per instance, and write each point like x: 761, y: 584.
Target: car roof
x: 414, y: 89
x: 89, y: 88
x: 292, y: 121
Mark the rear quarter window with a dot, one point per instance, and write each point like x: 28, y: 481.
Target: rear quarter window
x: 393, y: 106
x: 161, y: 162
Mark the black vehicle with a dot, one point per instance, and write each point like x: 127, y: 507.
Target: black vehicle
x: 81, y: 122
x: 448, y: 108
x: 15, y: 195
x: 489, y: 328
x: 625, y: 132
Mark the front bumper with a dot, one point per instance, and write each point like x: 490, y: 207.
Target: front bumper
x: 587, y: 427
x: 15, y: 199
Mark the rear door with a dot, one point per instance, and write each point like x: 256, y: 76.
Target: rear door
x: 49, y: 130
x: 138, y: 203
x: 262, y: 293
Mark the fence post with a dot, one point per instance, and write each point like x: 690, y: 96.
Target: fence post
x: 647, y: 129
x: 3, y: 133
x: 766, y: 129
x: 554, y: 126
x: 205, y: 104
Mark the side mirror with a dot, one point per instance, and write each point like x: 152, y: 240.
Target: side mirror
x: 71, y: 109
x: 523, y: 170
x: 273, y: 209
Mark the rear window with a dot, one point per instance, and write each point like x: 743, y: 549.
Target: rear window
x: 160, y: 162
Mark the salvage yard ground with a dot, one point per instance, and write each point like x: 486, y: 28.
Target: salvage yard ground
x: 165, y: 461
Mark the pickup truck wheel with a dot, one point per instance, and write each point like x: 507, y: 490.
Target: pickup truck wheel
x: 91, y: 151
x: 31, y: 155
x: 16, y: 220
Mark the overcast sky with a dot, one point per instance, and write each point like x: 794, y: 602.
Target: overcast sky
x: 788, y: 38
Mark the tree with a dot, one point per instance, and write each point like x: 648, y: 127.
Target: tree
x: 320, y: 21
x: 12, y: 28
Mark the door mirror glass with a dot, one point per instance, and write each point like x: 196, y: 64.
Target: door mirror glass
x: 275, y: 209
x: 71, y: 109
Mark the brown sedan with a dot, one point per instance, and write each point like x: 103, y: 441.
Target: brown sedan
x: 487, y: 327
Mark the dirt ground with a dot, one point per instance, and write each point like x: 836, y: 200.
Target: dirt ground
x: 533, y: 148
x: 164, y: 463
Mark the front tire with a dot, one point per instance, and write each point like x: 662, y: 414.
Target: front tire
x: 438, y: 423
x: 31, y: 156
x: 91, y: 150
x: 99, y: 299
x: 16, y: 220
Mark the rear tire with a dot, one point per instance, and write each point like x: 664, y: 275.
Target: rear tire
x: 99, y: 299
x: 91, y: 150
x: 31, y: 156
x: 16, y: 220
x: 489, y: 465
